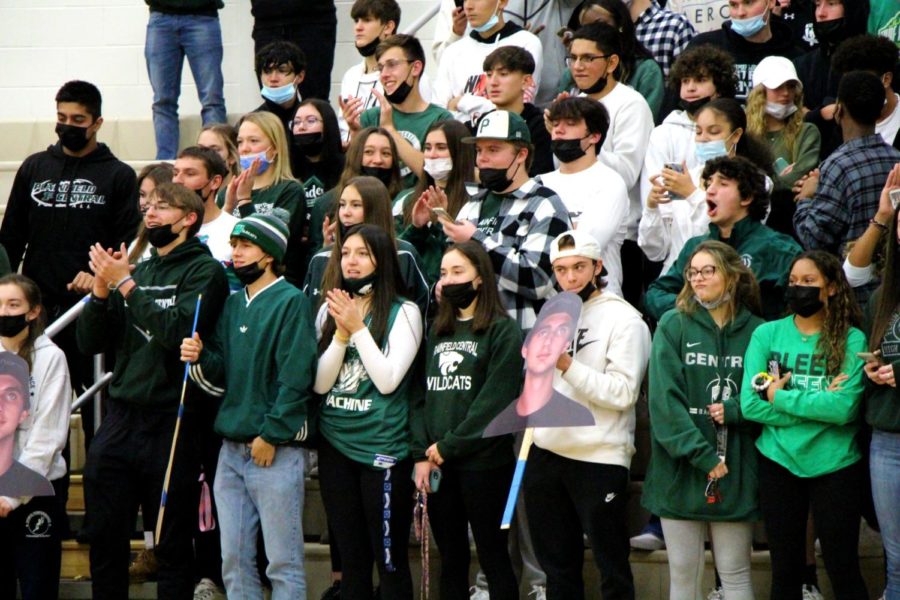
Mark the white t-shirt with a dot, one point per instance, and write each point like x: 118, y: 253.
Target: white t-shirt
x: 597, y: 201
x: 891, y: 125
x: 217, y: 236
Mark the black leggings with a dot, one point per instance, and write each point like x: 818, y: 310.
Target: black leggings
x: 477, y: 498
x: 357, y: 498
x: 835, y: 500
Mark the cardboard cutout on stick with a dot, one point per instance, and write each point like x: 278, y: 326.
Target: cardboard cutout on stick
x: 16, y: 480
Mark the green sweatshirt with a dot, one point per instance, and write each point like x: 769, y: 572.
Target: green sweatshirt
x: 765, y: 251
x: 263, y: 364
x: 883, y: 401
x: 807, y: 429
x: 470, y: 379
x: 146, y: 332
x: 694, y: 363
x: 805, y: 156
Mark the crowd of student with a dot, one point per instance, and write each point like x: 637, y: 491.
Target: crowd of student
x: 351, y: 287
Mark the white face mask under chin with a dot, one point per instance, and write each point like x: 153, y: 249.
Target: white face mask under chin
x: 780, y: 111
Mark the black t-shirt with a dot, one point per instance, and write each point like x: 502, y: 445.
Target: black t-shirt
x: 560, y: 411
x: 19, y: 480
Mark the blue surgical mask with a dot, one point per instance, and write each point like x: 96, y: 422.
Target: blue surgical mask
x: 490, y: 23
x: 247, y: 160
x: 707, y: 151
x: 749, y: 27
x: 279, y: 95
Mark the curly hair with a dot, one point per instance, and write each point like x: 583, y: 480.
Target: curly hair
x: 868, y: 52
x: 756, y: 116
x: 751, y: 181
x: 739, y: 281
x: 841, y: 310
x: 705, y: 61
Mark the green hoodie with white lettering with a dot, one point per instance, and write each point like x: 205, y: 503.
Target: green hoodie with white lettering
x: 693, y: 364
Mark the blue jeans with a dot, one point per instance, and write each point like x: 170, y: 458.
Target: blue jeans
x: 169, y: 39
x: 884, y: 465
x: 248, y: 497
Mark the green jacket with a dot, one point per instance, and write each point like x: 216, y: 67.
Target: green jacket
x: 262, y: 359
x: 694, y: 363
x: 883, y: 401
x: 145, y: 333
x: 768, y: 254
x: 808, y: 430
x: 470, y: 379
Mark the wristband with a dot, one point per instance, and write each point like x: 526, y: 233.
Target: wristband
x: 880, y: 226
x: 343, y: 339
x: 761, y: 382
x: 123, y: 282
x: 244, y: 199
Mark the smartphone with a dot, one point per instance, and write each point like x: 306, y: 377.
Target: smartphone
x: 678, y: 168
x: 434, y: 479
x: 458, y: 3
x: 871, y: 356
x: 895, y: 198
x: 440, y: 213
x: 780, y: 165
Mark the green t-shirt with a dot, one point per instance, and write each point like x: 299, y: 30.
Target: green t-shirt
x: 884, y: 19
x: 313, y: 189
x: 489, y: 215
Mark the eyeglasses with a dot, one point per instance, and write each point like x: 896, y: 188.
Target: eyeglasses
x: 159, y: 207
x: 390, y: 65
x: 704, y: 273
x: 587, y: 59
x: 309, y: 121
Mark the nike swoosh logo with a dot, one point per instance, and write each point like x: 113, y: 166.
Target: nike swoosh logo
x: 610, y: 496
x: 689, y: 345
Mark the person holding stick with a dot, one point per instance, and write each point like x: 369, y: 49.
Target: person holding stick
x: 143, y: 317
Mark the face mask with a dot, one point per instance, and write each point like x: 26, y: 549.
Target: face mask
x: 439, y: 168
x: 400, y: 94
x: 249, y: 273
x: 751, y: 26
x: 369, y: 49
x: 279, y: 95
x: 598, y: 86
x: 803, y: 300
x: 382, y: 174
x: 459, y: 295
x: 359, y: 286
x: 567, y: 150
x: 586, y: 291
x: 309, y: 144
x: 73, y: 138
x: 247, y: 160
x: 706, y: 151
x: 490, y: 23
x: 200, y: 192
x: 713, y: 304
x: 496, y: 179
x: 830, y: 32
x: 692, y: 106
x: 780, y: 111
x: 161, y: 236
x: 12, y: 325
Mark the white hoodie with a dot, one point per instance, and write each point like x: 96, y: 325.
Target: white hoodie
x: 612, y: 348
x: 672, y: 141
x: 41, y: 438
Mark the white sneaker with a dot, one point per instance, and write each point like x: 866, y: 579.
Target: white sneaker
x: 207, y: 590
x: 477, y: 593
x: 811, y: 592
x: 647, y: 541
x: 539, y: 592
x: 716, y: 594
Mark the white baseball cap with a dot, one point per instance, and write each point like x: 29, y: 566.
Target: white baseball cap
x: 585, y: 246
x: 773, y: 71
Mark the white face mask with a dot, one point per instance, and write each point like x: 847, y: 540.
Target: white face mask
x: 439, y: 168
x: 780, y: 111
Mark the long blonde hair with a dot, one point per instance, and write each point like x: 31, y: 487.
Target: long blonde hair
x: 756, y: 117
x: 740, y: 282
x: 273, y: 129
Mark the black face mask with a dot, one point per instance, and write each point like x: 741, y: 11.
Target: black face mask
x: 803, y: 300
x: 692, y: 106
x: 200, y: 192
x: 12, y: 325
x: 567, y: 150
x: 459, y: 295
x: 382, y: 174
x: 359, y: 286
x: 161, y: 236
x: 249, y: 273
x: 369, y: 49
x: 598, y: 86
x: 400, y: 94
x: 831, y: 32
x: 309, y: 144
x: 586, y: 291
x: 496, y: 179
x: 73, y: 138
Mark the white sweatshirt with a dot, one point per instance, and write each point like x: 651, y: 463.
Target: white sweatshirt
x: 673, y: 141
x: 663, y: 231
x: 597, y: 201
x: 40, y: 439
x: 612, y: 348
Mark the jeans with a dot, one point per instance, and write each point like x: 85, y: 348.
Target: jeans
x: 732, y: 544
x: 250, y: 497
x: 169, y: 39
x: 884, y: 465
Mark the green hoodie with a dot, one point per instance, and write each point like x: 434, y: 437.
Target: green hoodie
x: 808, y: 430
x: 694, y: 363
x: 146, y: 331
x: 765, y: 251
x: 883, y: 401
x: 470, y: 379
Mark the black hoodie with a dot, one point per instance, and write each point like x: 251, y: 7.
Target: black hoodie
x: 61, y: 205
x: 749, y: 54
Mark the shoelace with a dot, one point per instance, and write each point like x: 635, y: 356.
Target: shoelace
x: 420, y: 519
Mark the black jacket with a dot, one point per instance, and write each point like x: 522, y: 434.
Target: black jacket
x: 540, y: 138
x: 59, y: 206
x: 290, y: 12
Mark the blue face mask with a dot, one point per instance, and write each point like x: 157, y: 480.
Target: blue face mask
x: 247, y: 161
x: 279, y: 95
x: 707, y: 151
x: 490, y: 23
x: 749, y: 27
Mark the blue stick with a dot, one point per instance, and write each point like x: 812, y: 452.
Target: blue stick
x: 517, y: 479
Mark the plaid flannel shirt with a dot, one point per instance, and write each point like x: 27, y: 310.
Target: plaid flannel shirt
x: 664, y: 33
x: 850, y: 184
x: 530, y: 218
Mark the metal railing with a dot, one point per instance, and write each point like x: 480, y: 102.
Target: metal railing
x: 414, y: 27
